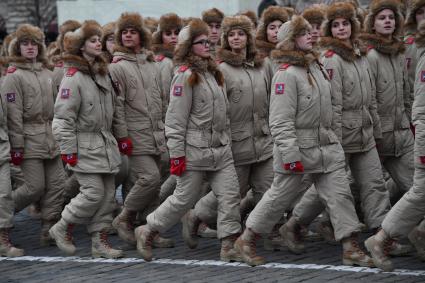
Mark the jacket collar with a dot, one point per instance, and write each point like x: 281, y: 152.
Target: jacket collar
x: 294, y: 57
x: 23, y: 63
x: 163, y: 49
x: 383, y: 45
x: 235, y: 59
x: 100, y: 66
x: 129, y: 55
x: 346, y: 51
x: 264, y: 47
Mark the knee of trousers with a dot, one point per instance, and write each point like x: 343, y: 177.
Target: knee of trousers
x: 149, y: 182
x: 94, y: 196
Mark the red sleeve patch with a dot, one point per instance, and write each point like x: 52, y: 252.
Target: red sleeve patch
x: 71, y: 71
x: 330, y: 73
x: 370, y: 47
x: 410, y: 40
x: 59, y: 64
x: 284, y: 66
x: 183, y: 68
x: 279, y: 88
x: 11, y: 97
x: 177, y: 90
x: 65, y: 93
x: 159, y: 58
x: 116, y: 59
x: 11, y: 69
x: 329, y: 53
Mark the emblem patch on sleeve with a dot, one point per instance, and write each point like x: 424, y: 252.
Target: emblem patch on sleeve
x: 65, y: 93
x: 330, y: 73
x: 280, y: 88
x: 423, y: 76
x: 11, y: 97
x: 177, y: 90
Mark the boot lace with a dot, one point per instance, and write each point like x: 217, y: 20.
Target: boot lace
x: 68, y: 235
x: 252, y: 244
x: 388, y: 245
x: 104, y: 239
x: 150, y: 238
x: 5, y: 239
x: 356, y: 247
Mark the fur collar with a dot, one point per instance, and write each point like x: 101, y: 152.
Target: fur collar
x: 23, y: 63
x: 234, y: 59
x: 294, y: 57
x: 383, y: 45
x: 264, y: 47
x: 198, y: 66
x: 346, y: 51
x: 163, y: 49
x: 122, y: 49
x: 100, y: 66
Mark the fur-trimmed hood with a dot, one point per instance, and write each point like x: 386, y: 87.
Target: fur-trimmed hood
x: 346, y: 51
x: 264, y: 48
x: 383, y: 45
x: 235, y: 59
x: 25, y: 64
x: 213, y: 15
x: 343, y: 10
x: 290, y: 30
x: 377, y: 6
x: 100, y: 66
x: 269, y: 15
x: 199, y: 66
x: 411, y: 25
x: 167, y: 22
x: 131, y: 20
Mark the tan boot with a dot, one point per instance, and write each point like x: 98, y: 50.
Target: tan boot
x: 123, y: 223
x: 398, y: 249
x: 190, y: 225
x: 6, y: 247
x: 61, y: 232
x: 227, y: 252
x: 353, y: 255
x: 45, y: 239
x: 144, y: 236
x: 101, y: 248
x: 325, y: 229
x: 274, y: 241
x: 417, y: 238
x: 206, y: 232
x: 161, y: 242
x: 245, y: 245
x: 378, y: 246
x: 291, y: 234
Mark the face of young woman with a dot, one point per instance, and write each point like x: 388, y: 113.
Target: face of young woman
x: 237, y: 39
x: 420, y: 14
x: 29, y: 49
x: 110, y: 43
x: 315, y: 33
x: 303, y: 42
x: 341, y: 28
x: 201, y: 46
x: 130, y: 38
x: 215, y: 31
x: 272, y: 29
x: 170, y: 36
x: 92, y: 46
x: 385, y: 22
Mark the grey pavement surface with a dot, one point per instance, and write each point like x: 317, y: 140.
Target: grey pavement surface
x: 322, y: 263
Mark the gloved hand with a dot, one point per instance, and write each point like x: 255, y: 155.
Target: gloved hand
x: 17, y: 156
x: 412, y: 128
x: 70, y: 159
x: 178, y: 165
x: 126, y: 146
x: 296, y: 166
x: 422, y: 158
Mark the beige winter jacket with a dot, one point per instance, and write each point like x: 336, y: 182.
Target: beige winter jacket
x: 84, y: 116
x: 137, y: 77
x: 248, y: 89
x: 411, y: 59
x: 352, y: 92
x: 4, y: 138
x: 301, y: 115
x: 29, y: 93
x: 387, y: 63
x: 164, y: 60
x: 196, y: 124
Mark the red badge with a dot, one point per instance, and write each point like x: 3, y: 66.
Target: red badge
x: 408, y: 62
x: 159, y: 58
x: 177, y: 90
x: 330, y: 73
x: 11, y: 69
x: 183, y: 68
x: 370, y: 47
x: 71, y: 71
x: 11, y: 97
x: 329, y: 53
x: 410, y: 40
x: 280, y: 88
x: 65, y: 93
x: 423, y: 76
x: 285, y: 66
x: 59, y: 64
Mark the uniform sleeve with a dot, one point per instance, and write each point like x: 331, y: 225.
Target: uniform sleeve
x: 283, y: 110
x: 178, y: 114
x: 418, y: 111
x: 334, y: 70
x: 119, y: 126
x: 13, y: 94
x: 67, y: 107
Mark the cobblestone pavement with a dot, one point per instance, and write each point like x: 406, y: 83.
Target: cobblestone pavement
x: 322, y: 263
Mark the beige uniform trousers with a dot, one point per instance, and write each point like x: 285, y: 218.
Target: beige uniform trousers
x: 224, y: 184
x: 367, y: 174
x: 94, y: 204
x: 257, y: 176
x: 144, y: 182
x: 333, y: 190
x: 44, y: 182
x: 409, y: 210
x: 6, y: 201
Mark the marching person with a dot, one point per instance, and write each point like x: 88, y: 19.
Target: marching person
x: 84, y: 116
x: 198, y: 138
x: 302, y: 125
x: 213, y: 17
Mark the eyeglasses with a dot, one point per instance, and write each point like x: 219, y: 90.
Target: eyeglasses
x: 204, y: 42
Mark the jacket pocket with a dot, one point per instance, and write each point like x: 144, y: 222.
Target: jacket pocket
x: 196, y: 139
x: 90, y: 141
x: 387, y: 124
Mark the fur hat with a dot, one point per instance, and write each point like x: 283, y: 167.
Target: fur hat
x: 213, y: 15
x: 132, y: 20
x: 167, y: 22
x: 107, y: 30
x: 70, y: 25
x: 343, y: 10
x: 238, y: 22
x: 195, y: 28
x: 377, y: 6
x: 315, y: 14
x: 6, y: 42
x: 251, y: 15
x: 269, y: 15
x: 25, y: 32
x: 411, y: 24
x: 290, y: 30
x: 151, y: 23
x: 74, y: 40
